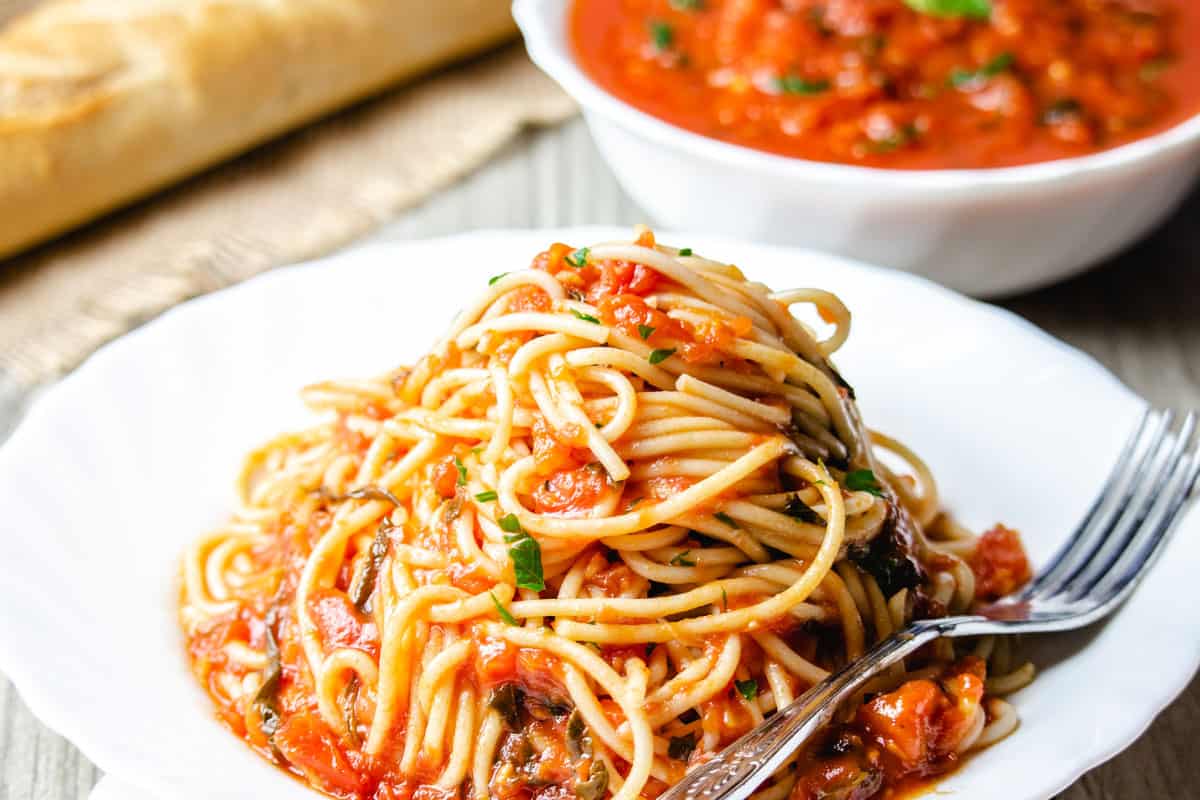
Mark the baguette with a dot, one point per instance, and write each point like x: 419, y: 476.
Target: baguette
x: 103, y: 101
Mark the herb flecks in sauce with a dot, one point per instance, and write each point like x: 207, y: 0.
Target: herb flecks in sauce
x: 921, y: 84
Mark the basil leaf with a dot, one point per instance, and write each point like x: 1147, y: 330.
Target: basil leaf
x: 492, y: 280
x: 645, y: 331
x: 526, y: 555
x: 798, y: 509
x: 585, y: 317
x: 687, y: 5
x: 510, y: 524
x: 659, y: 356
x: 976, y: 9
x: 504, y: 613
x: 888, y: 561
x: 685, y: 251
x: 863, y: 480
x: 747, y: 689
x: 506, y: 699
x: 681, y: 747
x: 360, y: 592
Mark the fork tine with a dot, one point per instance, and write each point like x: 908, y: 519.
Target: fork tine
x: 1115, y: 478
x: 1135, y: 517
x: 1099, y: 516
x: 1150, y: 542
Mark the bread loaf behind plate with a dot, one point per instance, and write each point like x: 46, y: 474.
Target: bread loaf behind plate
x: 102, y: 101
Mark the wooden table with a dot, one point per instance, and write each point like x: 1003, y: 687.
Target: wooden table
x: 1138, y: 315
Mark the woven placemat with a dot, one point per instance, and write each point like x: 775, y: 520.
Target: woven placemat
x: 288, y: 201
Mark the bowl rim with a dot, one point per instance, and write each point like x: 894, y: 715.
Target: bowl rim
x: 542, y: 24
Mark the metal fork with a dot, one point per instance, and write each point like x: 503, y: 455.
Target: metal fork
x: 1091, y: 575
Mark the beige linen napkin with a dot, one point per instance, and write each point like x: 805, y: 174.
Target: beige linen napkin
x: 288, y: 201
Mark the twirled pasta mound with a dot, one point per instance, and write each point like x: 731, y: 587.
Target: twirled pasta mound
x: 622, y: 511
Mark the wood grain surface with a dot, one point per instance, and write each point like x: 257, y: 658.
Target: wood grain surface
x: 1139, y: 315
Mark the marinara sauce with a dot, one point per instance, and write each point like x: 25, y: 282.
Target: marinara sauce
x: 960, y: 84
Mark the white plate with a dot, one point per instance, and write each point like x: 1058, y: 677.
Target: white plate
x: 134, y: 455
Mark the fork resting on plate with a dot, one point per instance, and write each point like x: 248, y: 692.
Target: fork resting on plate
x: 1101, y: 563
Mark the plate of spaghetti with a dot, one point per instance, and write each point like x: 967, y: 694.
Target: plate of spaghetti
x: 595, y: 510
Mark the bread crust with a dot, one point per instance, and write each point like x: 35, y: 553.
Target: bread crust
x: 103, y: 101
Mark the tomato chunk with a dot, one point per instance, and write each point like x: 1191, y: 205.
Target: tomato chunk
x: 445, y: 477
x: 550, y: 453
x: 572, y: 490
x: 495, y: 663
x: 921, y: 724
x: 999, y: 564
x: 340, y: 623
x: 310, y: 746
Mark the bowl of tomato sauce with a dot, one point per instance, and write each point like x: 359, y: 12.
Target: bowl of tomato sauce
x: 991, y: 145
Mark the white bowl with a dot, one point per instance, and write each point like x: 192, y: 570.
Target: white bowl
x: 122, y: 464
x: 986, y: 232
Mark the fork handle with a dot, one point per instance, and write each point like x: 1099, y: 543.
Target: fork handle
x: 738, y: 770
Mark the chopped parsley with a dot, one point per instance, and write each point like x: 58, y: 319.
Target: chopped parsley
x: 979, y: 9
x: 682, y: 560
x: 578, y: 258
x: 510, y: 524
x: 685, y: 251
x: 504, y: 613
x: 662, y: 34
x: 462, y: 471
x: 585, y: 317
x: 681, y: 747
x: 747, y: 689
x: 728, y: 520
x: 724, y: 600
x: 661, y: 355
x: 486, y: 497
x: 863, y: 480
x: 960, y: 78
x: 793, y: 84
x: 645, y: 331
x: 687, y: 5
x: 492, y: 280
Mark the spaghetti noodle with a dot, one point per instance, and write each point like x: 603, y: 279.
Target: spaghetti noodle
x: 622, y: 511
